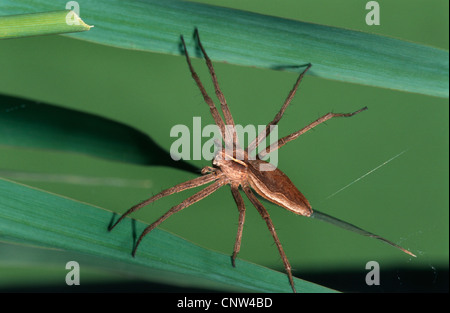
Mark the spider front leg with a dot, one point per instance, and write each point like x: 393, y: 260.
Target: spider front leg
x: 223, y: 103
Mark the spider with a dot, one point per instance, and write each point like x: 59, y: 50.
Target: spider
x: 233, y: 166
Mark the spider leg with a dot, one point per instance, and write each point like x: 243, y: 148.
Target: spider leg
x: 189, y: 201
x: 199, y: 181
x: 241, y: 207
x: 214, y: 112
x: 223, y: 102
x: 281, y: 142
x: 255, y: 143
x: 265, y: 215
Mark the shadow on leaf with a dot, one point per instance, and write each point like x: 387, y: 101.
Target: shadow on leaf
x: 30, y: 124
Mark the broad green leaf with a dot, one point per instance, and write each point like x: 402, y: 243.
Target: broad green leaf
x: 37, y: 24
x: 250, y: 39
x: 40, y: 218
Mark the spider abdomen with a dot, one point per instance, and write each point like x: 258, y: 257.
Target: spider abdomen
x: 276, y: 187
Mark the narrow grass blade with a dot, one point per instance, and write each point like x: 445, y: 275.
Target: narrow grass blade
x: 345, y: 225
x: 249, y: 39
x: 37, y: 24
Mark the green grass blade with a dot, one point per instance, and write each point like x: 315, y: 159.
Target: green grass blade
x: 43, y: 219
x: 37, y: 24
x: 250, y: 39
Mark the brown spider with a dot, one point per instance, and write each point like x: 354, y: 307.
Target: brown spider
x: 237, y: 169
